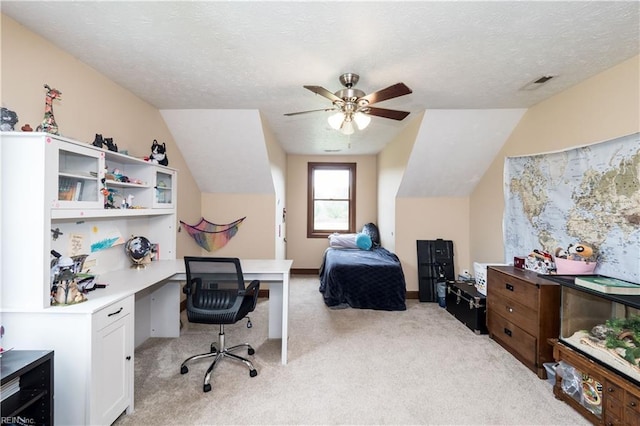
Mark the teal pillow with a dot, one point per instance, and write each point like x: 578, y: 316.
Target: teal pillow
x: 363, y: 241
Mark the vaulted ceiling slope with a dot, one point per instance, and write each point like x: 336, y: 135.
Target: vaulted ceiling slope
x: 454, y: 148
x: 225, y: 149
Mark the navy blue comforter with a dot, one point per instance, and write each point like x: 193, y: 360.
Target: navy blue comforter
x: 367, y: 279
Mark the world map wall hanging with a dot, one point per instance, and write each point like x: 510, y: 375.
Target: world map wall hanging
x: 211, y: 236
x: 589, y: 194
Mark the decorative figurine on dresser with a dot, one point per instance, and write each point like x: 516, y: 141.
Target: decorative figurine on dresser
x: 49, y: 124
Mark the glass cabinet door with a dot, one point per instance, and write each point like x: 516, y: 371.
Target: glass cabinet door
x: 165, y: 180
x: 79, y: 175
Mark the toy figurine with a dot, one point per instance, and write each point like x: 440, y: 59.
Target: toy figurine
x: 8, y: 120
x: 158, y: 153
x: 110, y: 145
x: 98, y: 141
x: 49, y: 124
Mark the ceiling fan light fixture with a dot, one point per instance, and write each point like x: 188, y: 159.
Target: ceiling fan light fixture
x: 347, y: 127
x: 362, y: 120
x: 335, y: 120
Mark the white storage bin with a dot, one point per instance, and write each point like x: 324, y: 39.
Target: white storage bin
x: 480, y: 271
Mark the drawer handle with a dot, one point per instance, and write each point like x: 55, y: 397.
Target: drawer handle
x: 116, y: 312
x: 509, y: 309
x: 632, y: 403
x: 509, y: 286
x: 507, y: 332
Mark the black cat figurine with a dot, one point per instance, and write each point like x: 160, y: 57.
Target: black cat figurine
x: 158, y: 153
x: 110, y: 145
x: 98, y: 141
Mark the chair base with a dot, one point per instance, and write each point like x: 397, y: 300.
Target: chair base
x: 218, y: 355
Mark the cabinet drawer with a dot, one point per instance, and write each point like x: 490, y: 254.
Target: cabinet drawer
x: 614, y: 410
x: 513, y: 336
x: 513, y: 288
x: 112, y: 313
x: 614, y: 391
x: 515, y: 312
x: 632, y: 402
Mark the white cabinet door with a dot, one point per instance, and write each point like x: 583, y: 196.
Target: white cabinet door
x: 80, y: 171
x: 112, y: 366
x: 165, y: 186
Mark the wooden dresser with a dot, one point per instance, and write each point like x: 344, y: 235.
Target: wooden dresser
x: 523, y: 311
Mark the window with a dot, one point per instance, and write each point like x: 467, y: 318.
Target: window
x: 331, y: 199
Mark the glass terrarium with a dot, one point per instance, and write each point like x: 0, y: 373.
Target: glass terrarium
x: 604, y: 327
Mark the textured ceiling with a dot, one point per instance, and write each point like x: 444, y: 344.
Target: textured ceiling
x: 258, y: 55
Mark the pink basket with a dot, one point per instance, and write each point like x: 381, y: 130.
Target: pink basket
x: 574, y: 267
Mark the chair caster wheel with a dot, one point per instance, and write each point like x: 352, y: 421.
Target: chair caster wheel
x: 184, y: 369
x: 207, y: 388
x: 251, y: 351
x: 253, y: 373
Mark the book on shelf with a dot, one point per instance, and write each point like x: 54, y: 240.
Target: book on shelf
x: 65, y: 189
x: 608, y: 285
x: 78, y: 191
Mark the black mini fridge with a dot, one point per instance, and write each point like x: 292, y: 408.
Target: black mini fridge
x: 435, y: 263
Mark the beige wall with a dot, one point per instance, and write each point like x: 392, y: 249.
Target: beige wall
x: 392, y: 162
x: 90, y: 104
x: 404, y: 220
x: 278, y: 160
x: 430, y: 219
x: 254, y: 239
x: 604, y: 107
x: 307, y: 252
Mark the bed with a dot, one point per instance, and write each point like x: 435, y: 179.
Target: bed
x: 362, y: 278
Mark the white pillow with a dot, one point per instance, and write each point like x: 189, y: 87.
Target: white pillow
x: 343, y: 240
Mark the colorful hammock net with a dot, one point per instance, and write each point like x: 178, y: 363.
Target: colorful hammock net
x: 211, y: 236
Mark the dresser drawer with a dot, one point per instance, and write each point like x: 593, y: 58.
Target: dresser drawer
x: 632, y: 401
x: 614, y: 391
x: 513, y: 336
x: 515, y: 312
x: 614, y: 410
x: 513, y: 288
x: 112, y: 313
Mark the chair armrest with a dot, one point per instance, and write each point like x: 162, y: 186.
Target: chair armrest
x: 187, y: 288
x: 253, y: 286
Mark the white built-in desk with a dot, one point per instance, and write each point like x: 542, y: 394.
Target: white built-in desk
x: 158, y: 288
x: 94, y: 340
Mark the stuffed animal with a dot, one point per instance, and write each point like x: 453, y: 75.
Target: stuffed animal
x: 158, y: 153
x: 8, y: 119
x: 580, y: 251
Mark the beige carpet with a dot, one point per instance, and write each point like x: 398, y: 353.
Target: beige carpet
x: 348, y: 366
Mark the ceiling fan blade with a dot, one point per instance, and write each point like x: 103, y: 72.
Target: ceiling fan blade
x: 387, y: 113
x: 318, y: 90
x: 313, y: 110
x: 398, y: 89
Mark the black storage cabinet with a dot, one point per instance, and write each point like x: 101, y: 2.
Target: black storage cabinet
x: 435, y: 258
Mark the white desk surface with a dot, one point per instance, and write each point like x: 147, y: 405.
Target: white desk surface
x: 125, y: 282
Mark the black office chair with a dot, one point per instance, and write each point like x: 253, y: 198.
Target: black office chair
x: 216, y: 294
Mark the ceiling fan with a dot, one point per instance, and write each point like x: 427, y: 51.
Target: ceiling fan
x: 353, y: 105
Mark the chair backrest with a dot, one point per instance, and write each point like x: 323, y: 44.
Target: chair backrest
x: 215, y: 289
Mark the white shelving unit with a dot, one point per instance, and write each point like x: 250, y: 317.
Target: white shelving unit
x: 51, y: 183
